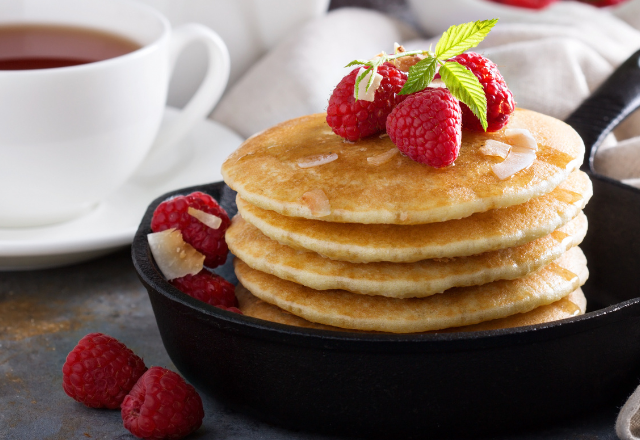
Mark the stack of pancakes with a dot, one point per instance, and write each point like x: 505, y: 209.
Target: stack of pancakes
x: 372, y: 241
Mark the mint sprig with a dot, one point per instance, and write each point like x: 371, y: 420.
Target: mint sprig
x: 463, y: 37
x: 374, y: 64
x: 421, y: 74
x: 464, y: 86
x: 460, y: 81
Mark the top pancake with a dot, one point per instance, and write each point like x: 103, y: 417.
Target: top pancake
x: 265, y: 172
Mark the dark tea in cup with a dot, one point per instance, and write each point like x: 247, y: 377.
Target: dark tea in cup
x: 34, y: 46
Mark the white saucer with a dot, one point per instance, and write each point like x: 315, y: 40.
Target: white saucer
x: 113, y: 223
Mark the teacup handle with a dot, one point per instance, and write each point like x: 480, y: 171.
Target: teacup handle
x: 201, y: 103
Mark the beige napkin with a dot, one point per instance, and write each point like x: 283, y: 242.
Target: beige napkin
x: 551, y: 60
x: 297, y: 77
x: 628, y: 423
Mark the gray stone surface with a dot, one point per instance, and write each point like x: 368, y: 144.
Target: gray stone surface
x: 43, y: 314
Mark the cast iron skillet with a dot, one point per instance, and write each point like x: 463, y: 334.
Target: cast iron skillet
x: 436, y: 385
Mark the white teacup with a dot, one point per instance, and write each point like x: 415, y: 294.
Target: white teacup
x: 70, y: 136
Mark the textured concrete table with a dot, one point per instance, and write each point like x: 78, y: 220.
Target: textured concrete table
x: 44, y: 313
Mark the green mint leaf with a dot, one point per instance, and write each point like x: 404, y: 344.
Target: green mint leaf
x: 373, y: 64
x: 420, y: 76
x: 464, y: 85
x: 462, y: 37
x: 359, y: 78
x: 357, y: 63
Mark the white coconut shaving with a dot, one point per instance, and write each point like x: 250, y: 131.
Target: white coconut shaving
x: 213, y: 221
x: 385, y: 157
x: 521, y: 137
x: 175, y: 257
x: 495, y: 148
x: 364, y: 93
x: 518, y: 159
x: 522, y: 153
x: 317, y: 160
x: 317, y: 202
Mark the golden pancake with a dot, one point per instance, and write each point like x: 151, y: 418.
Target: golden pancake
x: 481, y: 232
x: 573, y: 304
x: 456, y: 307
x: 266, y: 172
x: 398, y: 280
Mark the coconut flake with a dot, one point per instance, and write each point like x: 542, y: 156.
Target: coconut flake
x: 318, y: 202
x: 210, y: 220
x: 495, y: 148
x: 385, y: 157
x: 521, y: 137
x: 175, y: 257
x: 518, y: 159
x: 363, y: 93
x: 437, y: 84
x: 318, y: 159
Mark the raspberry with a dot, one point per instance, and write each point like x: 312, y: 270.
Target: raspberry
x: 162, y: 405
x: 603, y: 3
x: 427, y: 127
x: 208, y: 287
x: 173, y: 213
x: 530, y: 4
x: 500, y: 103
x: 353, y: 119
x: 100, y: 371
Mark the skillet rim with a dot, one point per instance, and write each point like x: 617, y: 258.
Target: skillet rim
x: 153, y: 280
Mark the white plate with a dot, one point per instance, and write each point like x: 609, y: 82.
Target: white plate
x: 112, y: 223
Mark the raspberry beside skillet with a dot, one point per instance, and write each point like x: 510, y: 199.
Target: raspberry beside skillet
x: 210, y: 242
x: 162, y: 405
x: 353, y: 119
x: 100, y: 371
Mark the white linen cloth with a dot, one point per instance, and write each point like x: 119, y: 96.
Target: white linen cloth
x: 552, y: 60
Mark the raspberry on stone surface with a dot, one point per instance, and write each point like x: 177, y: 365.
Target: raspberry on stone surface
x: 354, y: 120
x: 500, y: 102
x: 162, y: 405
x: 173, y: 213
x: 100, y: 371
x: 210, y: 288
x: 427, y: 127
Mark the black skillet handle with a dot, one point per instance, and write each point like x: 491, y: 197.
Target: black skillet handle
x: 609, y: 105
x: 612, y: 245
